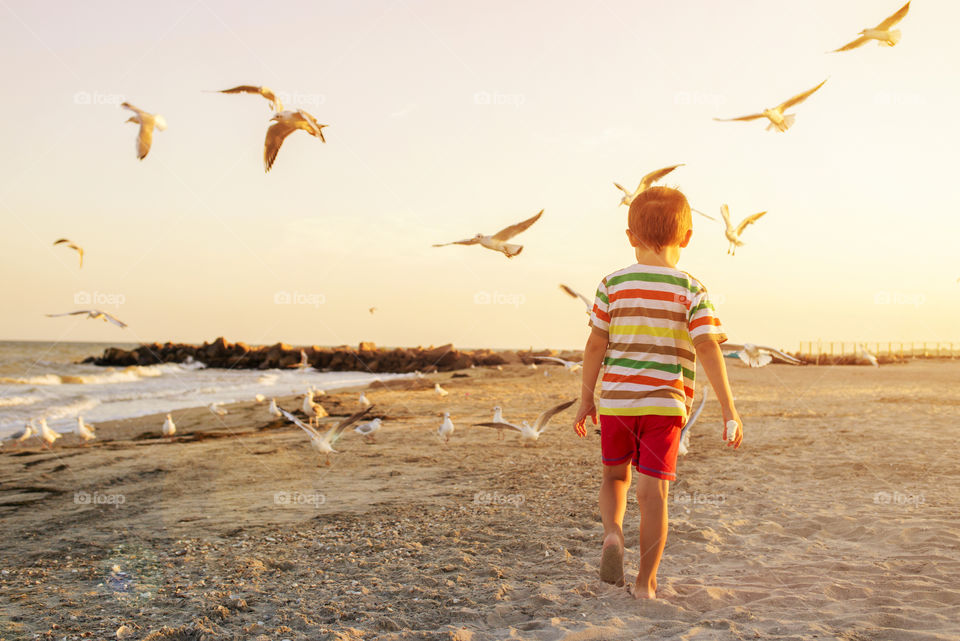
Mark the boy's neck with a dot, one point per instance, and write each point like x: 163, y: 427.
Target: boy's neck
x: 669, y: 256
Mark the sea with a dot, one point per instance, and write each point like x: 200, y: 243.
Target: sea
x: 40, y: 379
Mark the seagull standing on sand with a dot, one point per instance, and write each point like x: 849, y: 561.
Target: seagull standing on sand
x: 28, y: 430
x: 570, y: 366
x: 685, y: 432
x: 733, y: 233
x: 266, y: 92
x: 363, y: 400
x: 84, y: 431
x: 94, y: 314
x: 313, y: 411
x: 498, y: 242
x: 323, y: 443
x: 368, y: 430
x: 284, y: 124
x: 529, y: 434
x: 47, y: 434
x: 775, y: 115
x: 72, y: 245
x: 169, y: 427
x: 882, y: 33
x: 217, y: 409
x: 498, y: 418
x: 439, y: 390
x: 259, y: 398
x: 446, y: 428
x: 273, y: 410
x: 147, y: 122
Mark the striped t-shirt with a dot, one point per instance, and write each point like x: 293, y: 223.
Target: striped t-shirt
x: 654, y: 317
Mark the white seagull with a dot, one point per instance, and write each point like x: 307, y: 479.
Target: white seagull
x: 72, y: 245
x: 446, y: 428
x: 758, y: 355
x: 570, y: 366
x: 273, y: 410
x: 313, y: 411
x: 47, y: 434
x: 147, y: 122
x: 733, y: 233
x: 498, y: 242
x: 367, y: 430
x: 217, y: 409
x: 259, y: 398
x: 266, y: 92
x: 28, y: 430
x: 865, y: 356
x: 84, y: 431
x: 169, y: 427
x: 882, y: 33
x: 645, y: 183
x: 685, y: 432
x: 575, y: 294
x: 364, y: 402
x: 775, y: 115
x: 284, y: 124
x: 439, y: 390
x: 304, y: 361
x: 323, y: 443
x: 94, y: 314
x: 530, y: 433
x: 498, y: 418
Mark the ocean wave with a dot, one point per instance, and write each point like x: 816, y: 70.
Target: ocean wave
x: 70, y: 409
x: 126, y: 375
x: 10, y: 401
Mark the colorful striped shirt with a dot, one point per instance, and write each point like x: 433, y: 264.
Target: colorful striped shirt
x: 654, y: 317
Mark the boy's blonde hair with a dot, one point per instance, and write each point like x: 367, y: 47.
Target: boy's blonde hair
x: 660, y: 217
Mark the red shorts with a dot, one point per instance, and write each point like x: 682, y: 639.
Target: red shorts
x: 650, y: 442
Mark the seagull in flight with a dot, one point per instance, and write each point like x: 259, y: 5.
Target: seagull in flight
x: 323, y: 443
x: 575, y: 294
x: 864, y: 355
x: 882, y: 33
x: 498, y: 242
x: 284, y: 124
x: 94, y: 314
x: 775, y: 115
x: 570, y: 366
x: 69, y: 243
x: 645, y: 183
x: 266, y: 92
x: 530, y: 433
x: 685, y: 432
x: 147, y: 122
x: 758, y: 355
x: 733, y: 233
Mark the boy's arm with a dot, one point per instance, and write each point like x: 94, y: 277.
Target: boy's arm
x: 711, y: 357
x: 593, y: 354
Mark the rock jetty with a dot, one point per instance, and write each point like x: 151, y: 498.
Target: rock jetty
x: 365, y: 357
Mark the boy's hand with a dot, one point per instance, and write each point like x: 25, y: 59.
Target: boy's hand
x: 731, y: 415
x: 587, y: 408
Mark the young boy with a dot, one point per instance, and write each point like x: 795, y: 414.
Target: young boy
x: 650, y: 323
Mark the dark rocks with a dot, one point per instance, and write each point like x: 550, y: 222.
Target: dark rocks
x: 366, y: 357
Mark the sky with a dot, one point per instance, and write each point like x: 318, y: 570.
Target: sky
x: 449, y: 119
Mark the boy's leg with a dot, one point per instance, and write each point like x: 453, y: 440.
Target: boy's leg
x: 652, y: 497
x: 613, y: 506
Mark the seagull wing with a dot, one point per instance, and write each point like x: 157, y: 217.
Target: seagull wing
x: 696, y: 414
x: 654, y: 176
x: 781, y: 355
x: 800, y: 97
x: 509, y: 232
x: 854, y: 44
x: 276, y: 134
x: 337, y: 431
x: 293, y: 419
x: 750, y: 117
x: 575, y: 294
x: 550, y: 358
x: 697, y: 211
x: 82, y: 311
x: 468, y: 241
x: 623, y: 189
x: 272, y: 97
x: 541, y: 423
x: 243, y: 89
x: 895, y: 18
x: 500, y: 426
x: 731, y: 347
x: 144, y: 137
x: 749, y: 220
x: 140, y: 112
x: 116, y: 321
x: 725, y: 212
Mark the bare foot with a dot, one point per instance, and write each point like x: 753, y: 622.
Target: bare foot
x: 611, y: 560
x: 641, y: 592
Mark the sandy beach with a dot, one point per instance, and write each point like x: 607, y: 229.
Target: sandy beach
x: 837, y: 519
